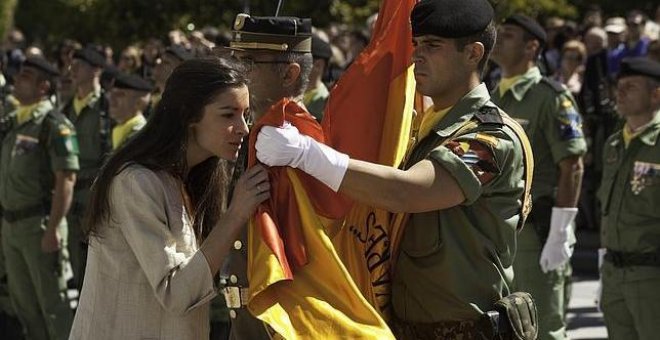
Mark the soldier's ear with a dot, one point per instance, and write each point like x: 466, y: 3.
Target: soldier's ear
x: 291, y: 75
x: 475, y: 53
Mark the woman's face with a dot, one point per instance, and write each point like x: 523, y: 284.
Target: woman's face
x: 222, y: 127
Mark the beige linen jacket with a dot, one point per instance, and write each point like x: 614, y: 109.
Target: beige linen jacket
x: 145, y: 277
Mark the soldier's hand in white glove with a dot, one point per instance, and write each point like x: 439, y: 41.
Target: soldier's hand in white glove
x: 558, y: 249
x: 285, y: 146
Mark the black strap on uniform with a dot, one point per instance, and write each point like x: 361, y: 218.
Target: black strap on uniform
x: 105, y: 126
x: 622, y: 259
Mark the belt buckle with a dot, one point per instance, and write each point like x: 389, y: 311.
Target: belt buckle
x: 232, y: 297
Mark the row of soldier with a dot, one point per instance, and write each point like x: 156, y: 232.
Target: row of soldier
x: 546, y: 109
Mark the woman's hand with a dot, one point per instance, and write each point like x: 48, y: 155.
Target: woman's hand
x: 250, y: 190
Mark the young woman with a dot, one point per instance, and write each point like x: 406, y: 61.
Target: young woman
x: 156, y: 225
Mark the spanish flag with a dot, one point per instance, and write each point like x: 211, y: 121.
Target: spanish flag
x: 298, y: 284
x: 318, y: 266
x: 369, y: 117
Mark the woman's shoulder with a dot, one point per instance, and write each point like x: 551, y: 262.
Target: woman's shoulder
x: 134, y: 176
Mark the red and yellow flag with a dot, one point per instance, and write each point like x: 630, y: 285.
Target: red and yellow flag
x: 298, y: 284
x: 369, y: 116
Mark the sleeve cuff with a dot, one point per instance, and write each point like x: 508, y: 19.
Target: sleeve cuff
x: 467, y: 181
x: 198, y: 264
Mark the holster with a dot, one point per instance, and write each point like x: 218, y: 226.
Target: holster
x: 513, y: 318
x: 541, y: 215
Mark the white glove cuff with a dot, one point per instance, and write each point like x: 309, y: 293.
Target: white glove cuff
x: 331, y: 173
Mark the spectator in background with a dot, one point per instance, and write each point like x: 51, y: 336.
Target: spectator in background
x: 317, y: 93
x: 593, y: 17
x: 130, y: 60
x: 597, y: 103
x: 570, y: 73
x: 553, y: 28
x: 636, y: 44
x: 150, y: 53
x: 654, y: 50
x: 14, y: 48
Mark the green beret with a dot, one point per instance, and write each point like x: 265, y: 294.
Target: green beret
x: 281, y: 34
x: 132, y: 82
x: 90, y: 56
x: 451, y: 18
x: 320, y: 48
x: 178, y: 52
x: 42, y: 65
x: 529, y: 25
x: 640, y: 66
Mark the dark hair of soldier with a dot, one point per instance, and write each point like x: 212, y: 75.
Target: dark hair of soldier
x: 161, y: 144
x: 486, y: 37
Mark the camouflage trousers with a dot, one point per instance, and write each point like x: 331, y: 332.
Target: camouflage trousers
x: 446, y: 330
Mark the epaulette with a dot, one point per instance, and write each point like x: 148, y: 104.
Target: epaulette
x: 489, y: 115
x: 555, y: 85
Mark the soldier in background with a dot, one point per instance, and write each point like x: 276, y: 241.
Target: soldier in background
x: 88, y: 110
x: 38, y: 164
x: 548, y: 112
x: 129, y: 98
x: 630, y: 198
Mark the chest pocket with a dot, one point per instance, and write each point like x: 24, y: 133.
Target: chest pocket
x: 422, y: 236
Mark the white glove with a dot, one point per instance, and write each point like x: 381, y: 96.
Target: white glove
x: 558, y: 249
x: 285, y: 146
x: 599, y: 289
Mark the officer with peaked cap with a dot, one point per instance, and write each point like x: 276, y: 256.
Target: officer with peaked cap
x: 38, y: 165
x: 277, y: 54
x: 88, y: 110
x: 129, y: 98
x: 548, y: 112
x: 463, y: 186
x: 630, y: 197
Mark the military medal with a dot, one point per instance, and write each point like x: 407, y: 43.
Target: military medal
x: 644, y: 174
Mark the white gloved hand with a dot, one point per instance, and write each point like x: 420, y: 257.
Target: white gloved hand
x: 285, y: 146
x: 558, y: 249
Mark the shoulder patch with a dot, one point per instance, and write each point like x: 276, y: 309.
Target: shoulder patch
x: 489, y: 115
x: 555, y: 85
x: 570, y: 121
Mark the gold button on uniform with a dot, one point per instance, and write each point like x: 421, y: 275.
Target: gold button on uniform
x: 238, y: 245
x: 232, y: 314
x: 233, y: 279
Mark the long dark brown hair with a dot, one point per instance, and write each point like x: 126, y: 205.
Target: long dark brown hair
x: 161, y: 144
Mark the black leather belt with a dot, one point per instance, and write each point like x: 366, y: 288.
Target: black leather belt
x: 622, y: 259
x: 12, y: 216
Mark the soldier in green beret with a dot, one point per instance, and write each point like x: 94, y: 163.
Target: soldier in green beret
x: 38, y: 165
x: 548, y: 112
x: 630, y: 203
x: 88, y: 110
x: 465, y: 184
x: 129, y: 98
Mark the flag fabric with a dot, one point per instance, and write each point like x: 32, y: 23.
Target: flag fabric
x: 298, y: 284
x: 369, y: 116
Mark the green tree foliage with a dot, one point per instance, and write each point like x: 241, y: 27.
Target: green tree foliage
x: 6, y: 16
x: 120, y: 22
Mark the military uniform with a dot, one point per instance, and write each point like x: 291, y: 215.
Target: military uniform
x: 92, y: 126
x: 261, y: 34
x: 454, y: 264
x: 92, y: 130
x: 31, y: 153
x: 123, y: 131
x: 630, y: 230
x: 547, y: 111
